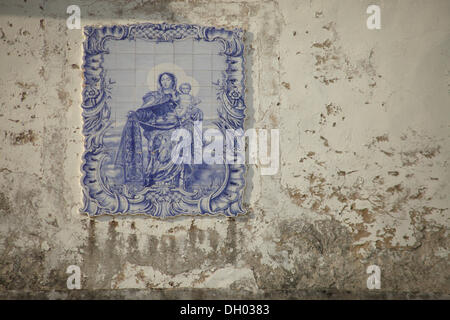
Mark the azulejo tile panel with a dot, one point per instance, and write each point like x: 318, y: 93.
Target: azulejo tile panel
x: 151, y: 93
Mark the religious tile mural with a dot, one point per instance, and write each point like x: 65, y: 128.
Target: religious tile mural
x: 162, y: 106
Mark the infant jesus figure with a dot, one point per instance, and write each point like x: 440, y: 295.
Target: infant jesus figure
x: 185, y: 102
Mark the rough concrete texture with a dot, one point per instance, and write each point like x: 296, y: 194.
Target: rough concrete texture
x: 364, y: 142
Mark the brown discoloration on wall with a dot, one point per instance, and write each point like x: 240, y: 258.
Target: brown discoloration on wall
x: 63, y: 96
x: 296, y: 196
x: 286, y: 85
x: 4, y: 203
x: 22, y: 137
x: 333, y: 64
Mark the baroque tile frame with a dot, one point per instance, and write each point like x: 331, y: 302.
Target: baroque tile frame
x: 99, y: 199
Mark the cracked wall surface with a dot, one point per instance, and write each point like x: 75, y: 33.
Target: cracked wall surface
x: 364, y: 125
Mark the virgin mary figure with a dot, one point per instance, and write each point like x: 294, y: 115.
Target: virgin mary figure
x: 157, y: 118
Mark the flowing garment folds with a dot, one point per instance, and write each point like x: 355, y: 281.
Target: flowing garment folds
x: 158, y: 120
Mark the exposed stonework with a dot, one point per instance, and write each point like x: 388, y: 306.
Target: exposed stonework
x: 363, y: 118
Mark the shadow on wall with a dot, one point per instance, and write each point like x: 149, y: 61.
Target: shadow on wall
x: 155, y: 10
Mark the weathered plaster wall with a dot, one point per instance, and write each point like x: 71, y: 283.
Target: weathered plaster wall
x: 364, y: 119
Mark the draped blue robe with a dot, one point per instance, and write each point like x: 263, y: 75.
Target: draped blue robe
x: 156, y: 115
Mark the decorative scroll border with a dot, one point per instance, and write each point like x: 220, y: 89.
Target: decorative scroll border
x: 98, y: 198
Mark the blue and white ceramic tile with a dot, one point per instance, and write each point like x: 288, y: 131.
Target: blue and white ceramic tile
x: 132, y: 74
